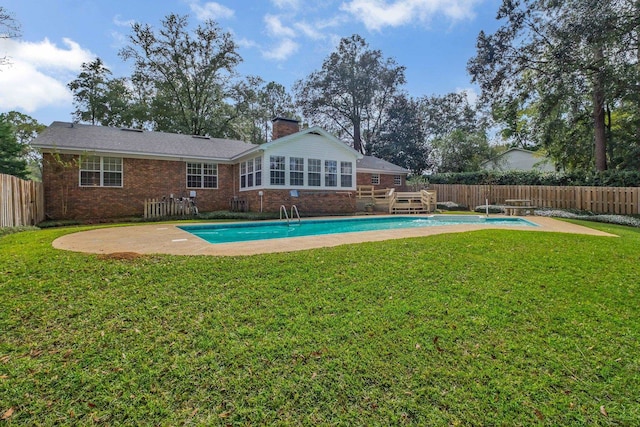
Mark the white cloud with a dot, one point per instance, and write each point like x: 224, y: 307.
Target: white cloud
x: 38, y: 74
x: 211, y: 10
x: 287, y: 4
x: 284, y: 50
x: 247, y: 43
x: 309, y: 31
x: 275, y: 28
x: 123, y: 23
x: 376, y: 14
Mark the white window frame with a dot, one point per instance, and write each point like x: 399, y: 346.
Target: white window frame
x: 346, y: 173
x: 199, y: 170
x: 314, y: 173
x: 296, y: 171
x: 375, y: 179
x: 397, y: 180
x: 104, y: 166
x: 277, y: 170
x: 331, y: 173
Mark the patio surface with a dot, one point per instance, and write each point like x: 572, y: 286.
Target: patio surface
x: 159, y: 238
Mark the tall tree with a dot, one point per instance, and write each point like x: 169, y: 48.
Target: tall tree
x: 11, y: 152
x: 90, y: 90
x: 456, y: 131
x: 402, y: 138
x: 185, y: 75
x: 352, y: 91
x: 26, y: 128
x: 550, y: 51
x: 256, y: 104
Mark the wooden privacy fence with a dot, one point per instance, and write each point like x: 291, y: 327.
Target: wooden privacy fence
x: 601, y: 200
x: 159, y: 208
x: 21, y: 202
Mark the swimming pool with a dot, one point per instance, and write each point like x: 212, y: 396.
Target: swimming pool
x: 248, y: 231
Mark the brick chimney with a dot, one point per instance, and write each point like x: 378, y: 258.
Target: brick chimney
x: 283, y: 127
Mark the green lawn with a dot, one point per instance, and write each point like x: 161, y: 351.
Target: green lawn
x: 483, y: 328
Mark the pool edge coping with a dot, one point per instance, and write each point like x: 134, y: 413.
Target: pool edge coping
x: 162, y: 238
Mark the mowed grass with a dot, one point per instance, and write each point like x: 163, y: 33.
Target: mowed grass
x: 482, y: 328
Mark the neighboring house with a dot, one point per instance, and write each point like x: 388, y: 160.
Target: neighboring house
x: 381, y: 174
x: 519, y: 159
x: 101, y: 172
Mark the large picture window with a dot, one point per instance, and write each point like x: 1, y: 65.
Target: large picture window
x: 97, y: 171
x: 277, y: 170
x: 202, y: 175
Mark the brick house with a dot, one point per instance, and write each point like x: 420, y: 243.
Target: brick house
x: 102, y: 172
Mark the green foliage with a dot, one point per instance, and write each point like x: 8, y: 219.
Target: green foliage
x: 25, y: 129
x: 12, y: 161
x: 557, y: 73
x: 184, y: 77
x: 352, y: 92
x: 492, y: 327
x: 402, y: 140
x: 610, y: 178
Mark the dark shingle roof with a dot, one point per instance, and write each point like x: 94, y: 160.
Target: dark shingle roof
x: 375, y: 164
x: 87, y: 138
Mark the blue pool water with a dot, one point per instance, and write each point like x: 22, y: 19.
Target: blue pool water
x: 247, y: 231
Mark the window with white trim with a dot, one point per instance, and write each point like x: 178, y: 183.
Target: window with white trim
x: 330, y: 173
x: 397, y: 180
x: 314, y: 169
x: 346, y: 174
x: 243, y: 174
x: 257, y: 171
x: 277, y: 170
x: 375, y: 179
x: 296, y: 171
x: 202, y: 175
x: 251, y: 173
x: 97, y: 171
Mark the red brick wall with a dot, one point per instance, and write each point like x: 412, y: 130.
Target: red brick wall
x: 308, y: 202
x: 386, y: 181
x: 284, y: 127
x: 142, y: 179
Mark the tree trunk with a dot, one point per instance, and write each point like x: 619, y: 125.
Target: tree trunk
x: 357, y: 137
x: 600, y: 134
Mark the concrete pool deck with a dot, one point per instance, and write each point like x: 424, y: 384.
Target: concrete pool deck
x: 159, y: 238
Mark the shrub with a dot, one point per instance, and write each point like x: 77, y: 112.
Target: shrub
x: 611, y: 178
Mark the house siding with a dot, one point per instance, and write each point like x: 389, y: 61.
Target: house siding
x: 142, y: 179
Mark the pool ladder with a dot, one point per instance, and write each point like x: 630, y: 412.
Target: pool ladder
x: 294, y: 209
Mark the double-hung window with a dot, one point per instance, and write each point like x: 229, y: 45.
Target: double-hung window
x: 330, y: 173
x: 97, y: 171
x: 277, y: 170
x: 296, y: 171
x: 257, y: 171
x: 375, y: 179
x: 251, y: 173
x: 346, y: 174
x: 314, y: 169
x: 202, y: 175
x: 397, y: 180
